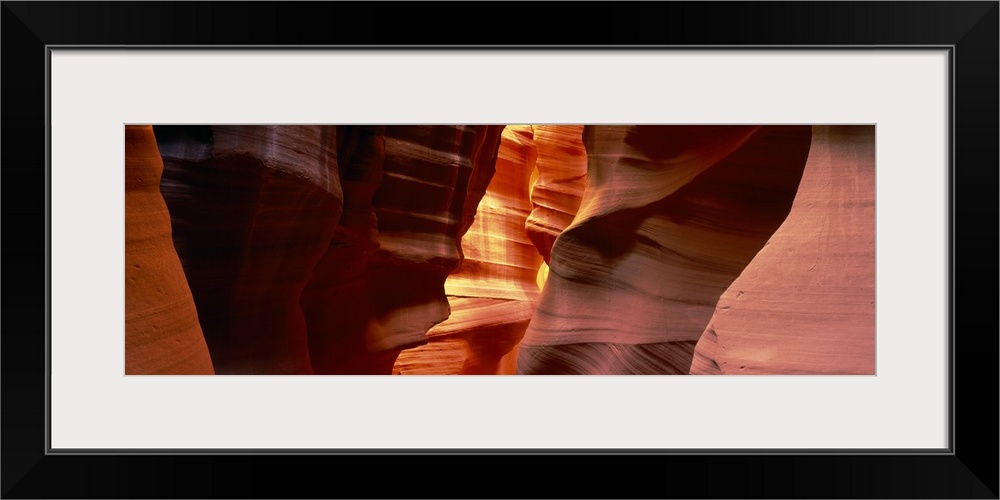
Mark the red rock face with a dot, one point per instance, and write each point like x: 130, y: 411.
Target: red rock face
x: 806, y: 303
x: 493, y: 294
x: 380, y: 287
x: 670, y: 217
x: 322, y: 249
x: 253, y: 210
x: 162, y: 333
x: 336, y: 301
x: 562, y: 176
x: 325, y: 249
x: 433, y: 180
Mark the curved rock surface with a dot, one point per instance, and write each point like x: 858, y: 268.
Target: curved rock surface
x: 162, y: 333
x: 558, y: 190
x: 806, y: 303
x: 493, y: 294
x: 325, y: 249
x: 670, y: 217
x: 336, y: 301
x: 253, y: 210
x: 408, y: 193
x: 321, y: 249
x: 433, y: 179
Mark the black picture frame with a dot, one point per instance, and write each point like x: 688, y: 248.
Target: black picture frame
x: 968, y: 470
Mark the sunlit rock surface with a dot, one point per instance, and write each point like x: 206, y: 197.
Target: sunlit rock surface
x: 253, y: 210
x: 806, y: 303
x: 410, y: 195
x: 326, y: 249
x: 670, y: 217
x: 494, y: 292
x: 562, y: 176
x: 162, y: 333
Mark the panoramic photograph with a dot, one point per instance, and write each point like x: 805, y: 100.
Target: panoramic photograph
x: 548, y: 249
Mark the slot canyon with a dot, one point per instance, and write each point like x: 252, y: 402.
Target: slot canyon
x: 493, y: 249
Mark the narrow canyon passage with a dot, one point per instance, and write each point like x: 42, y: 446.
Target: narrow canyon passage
x: 490, y: 249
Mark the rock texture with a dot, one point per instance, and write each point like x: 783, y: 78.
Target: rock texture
x: 253, y: 210
x: 806, y: 303
x: 162, y: 333
x: 494, y: 292
x: 321, y: 249
x: 672, y: 249
x: 670, y: 217
x: 336, y: 301
x: 562, y: 176
x: 411, y: 196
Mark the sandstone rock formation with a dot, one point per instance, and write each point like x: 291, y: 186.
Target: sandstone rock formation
x: 670, y: 217
x: 325, y: 249
x: 162, y: 333
x: 562, y: 176
x: 411, y: 196
x: 321, y: 249
x: 253, y: 210
x: 494, y: 292
x: 336, y: 301
x: 806, y: 303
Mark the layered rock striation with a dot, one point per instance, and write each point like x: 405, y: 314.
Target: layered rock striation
x: 410, y: 195
x: 321, y: 249
x: 670, y: 217
x: 363, y: 249
x: 162, y: 332
x: 558, y: 190
x: 493, y: 293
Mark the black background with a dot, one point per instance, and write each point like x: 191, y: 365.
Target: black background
x: 971, y: 472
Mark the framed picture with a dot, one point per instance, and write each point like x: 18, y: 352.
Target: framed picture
x: 906, y: 92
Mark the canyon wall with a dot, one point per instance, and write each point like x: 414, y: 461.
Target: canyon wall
x: 253, y: 209
x: 380, y: 287
x: 321, y: 249
x: 806, y: 303
x: 557, y: 192
x: 162, y: 332
x: 670, y: 217
x: 336, y: 301
x: 421, y: 249
x: 494, y: 292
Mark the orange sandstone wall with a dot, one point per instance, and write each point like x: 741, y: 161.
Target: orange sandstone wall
x: 562, y: 176
x: 493, y: 294
x: 162, y: 333
x: 326, y: 249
